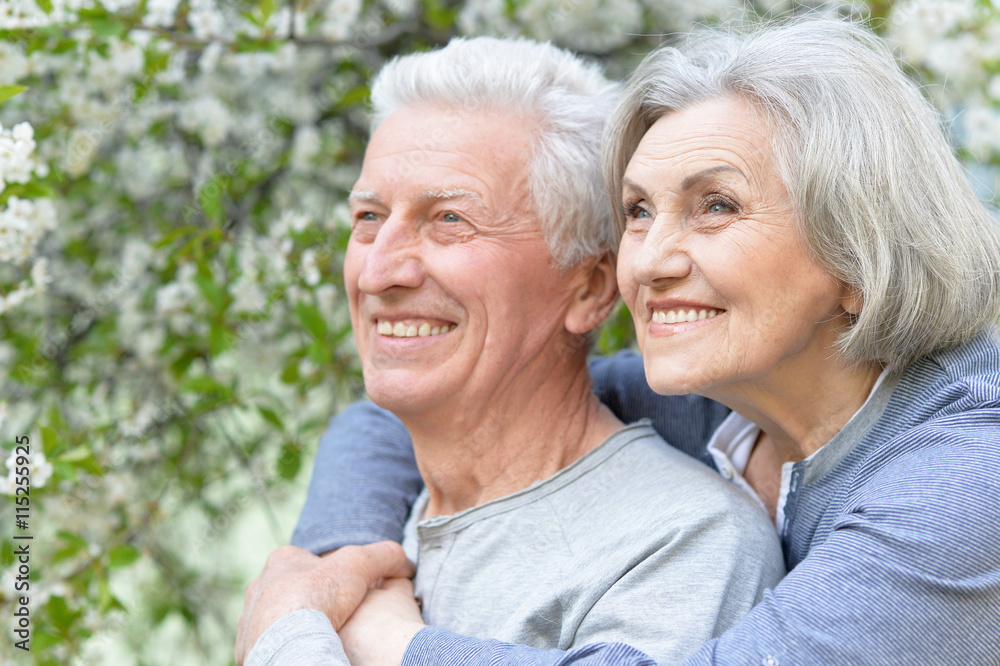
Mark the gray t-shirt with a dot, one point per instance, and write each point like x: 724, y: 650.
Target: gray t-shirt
x: 634, y: 542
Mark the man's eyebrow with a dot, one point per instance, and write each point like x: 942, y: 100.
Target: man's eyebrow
x: 705, y: 174
x: 364, y: 195
x: 453, y: 193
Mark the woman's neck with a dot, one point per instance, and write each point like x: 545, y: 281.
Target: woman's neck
x: 797, y: 416
x: 533, y: 429
x: 801, y: 415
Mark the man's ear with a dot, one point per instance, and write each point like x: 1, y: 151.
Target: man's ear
x: 595, y: 295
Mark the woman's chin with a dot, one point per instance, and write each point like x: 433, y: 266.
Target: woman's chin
x: 669, y: 378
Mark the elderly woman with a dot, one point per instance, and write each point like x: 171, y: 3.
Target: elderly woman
x: 475, y: 270
x: 800, y: 244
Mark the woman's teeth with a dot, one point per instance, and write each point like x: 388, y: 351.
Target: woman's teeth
x: 409, y: 329
x: 681, y: 316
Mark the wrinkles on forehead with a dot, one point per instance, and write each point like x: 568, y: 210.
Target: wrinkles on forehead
x: 429, y: 195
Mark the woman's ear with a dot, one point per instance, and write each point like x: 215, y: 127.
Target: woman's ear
x: 852, y: 301
x: 595, y: 295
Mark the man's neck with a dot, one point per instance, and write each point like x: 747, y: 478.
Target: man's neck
x: 531, y: 430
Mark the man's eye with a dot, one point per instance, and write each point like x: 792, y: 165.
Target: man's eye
x: 368, y: 217
x: 451, y: 217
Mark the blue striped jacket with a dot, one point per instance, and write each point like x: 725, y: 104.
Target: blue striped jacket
x: 893, y: 550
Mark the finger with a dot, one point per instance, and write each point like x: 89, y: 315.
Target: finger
x: 285, y: 558
x: 400, y: 585
x: 356, y: 569
x: 386, y: 559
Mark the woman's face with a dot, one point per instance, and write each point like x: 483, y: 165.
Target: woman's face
x: 724, y: 294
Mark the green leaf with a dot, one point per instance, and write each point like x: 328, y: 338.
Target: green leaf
x: 59, y: 611
x: 122, y: 556
x: 354, y: 97
x: 106, y: 27
x: 266, y: 8
x: 252, y: 17
x: 271, y: 417
x: 50, y: 440
x: 82, y: 457
x: 438, y: 16
x: 174, y: 235
x: 44, y: 5
x: 74, y: 544
x: 42, y: 640
x: 312, y: 319
x: 210, y: 200
x: 219, y: 339
x: 56, y: 419
x: 75, y: 455
x: 290, y: 374
x: 6, y: 92
x: 63, y: 470
x: 290, y: 461
x: 211, y: 291
x: 207, y: 386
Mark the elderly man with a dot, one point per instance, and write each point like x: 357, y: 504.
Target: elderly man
x: 478, y: 264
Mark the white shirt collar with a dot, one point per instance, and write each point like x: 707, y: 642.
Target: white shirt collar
x: 732, y: 443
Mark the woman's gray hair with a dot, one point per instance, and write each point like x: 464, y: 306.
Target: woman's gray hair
x: 570, y: 99
x: 880, y: 197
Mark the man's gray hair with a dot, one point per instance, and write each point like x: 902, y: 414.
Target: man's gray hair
x: 877, y: 191
x: 570, y: 99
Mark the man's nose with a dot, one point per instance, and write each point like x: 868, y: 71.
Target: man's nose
x: 394, y: 258
x: 662, y: 258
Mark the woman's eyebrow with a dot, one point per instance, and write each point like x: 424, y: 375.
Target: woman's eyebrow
x: 703, y: 175
x: 629, y: 185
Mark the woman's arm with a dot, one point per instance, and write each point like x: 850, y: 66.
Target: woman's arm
x: 909, y: 574
x: 363, y: 484
x: 365, y: 478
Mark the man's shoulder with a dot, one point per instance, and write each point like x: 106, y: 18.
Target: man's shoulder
x: 651, y: 489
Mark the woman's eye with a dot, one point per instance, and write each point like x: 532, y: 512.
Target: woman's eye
x: 720, y: 207
x: 634, y: 211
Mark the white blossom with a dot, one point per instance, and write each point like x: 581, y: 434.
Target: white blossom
x: 339, y: 19
x: 306, y: 146
x: 13, y: 63
x: 588, y: 25
x: 39, y: 471
x: 309, y: 268
x: 17, y: 161
x: 326, y: 300
x: 23, y: 223
x: 982, y: 127
x: 160, y: 13
x: 248, y: 297
x: 484, y: 17
x: 208, y: 118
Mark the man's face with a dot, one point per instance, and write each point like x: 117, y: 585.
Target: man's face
x: 452, y: 288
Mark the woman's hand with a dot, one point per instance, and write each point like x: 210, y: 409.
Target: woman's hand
x: 383, y: 625
x: 294, y: 579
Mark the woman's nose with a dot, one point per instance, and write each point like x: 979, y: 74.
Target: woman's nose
x: 662, y: 257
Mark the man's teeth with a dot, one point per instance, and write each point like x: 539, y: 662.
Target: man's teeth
x: 681, y: 316
x: 407, y: 329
